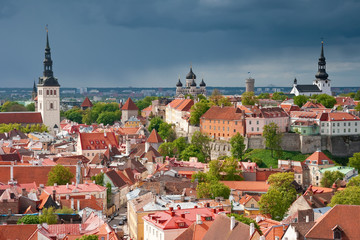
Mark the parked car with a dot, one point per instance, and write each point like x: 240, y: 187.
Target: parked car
x: 124, y: 218
x: 121, y: 222
x: 114, y: 226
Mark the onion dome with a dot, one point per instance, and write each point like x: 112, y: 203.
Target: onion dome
x: 202, y: 84
x: 179, y: 84
x: 193, y: 83
x: 191, y: 75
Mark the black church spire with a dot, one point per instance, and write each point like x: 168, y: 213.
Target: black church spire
x: 321, y: 74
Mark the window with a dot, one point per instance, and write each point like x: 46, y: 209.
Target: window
x: 228, y: 122
x: 338, y: 131
x: 257, y: 122
x: 322, y: 124
x: 355, y: 123
x: 235, y: 123
x: 250, y: 122
x: 210, y: 127
x: 344, y: 124
x: 51, y: 92
x: 333, y: 124
x: 344, y: 130
x: 223, y: 122
x: 327, y: 124
x: 252, y: 205
x: 333, y: 130
x: 257, y: 129
x: 54, y: 92
x: 252, y: 129
x: 355, y: 129
x: 47, y: 92
x: 51, y: 106
x: 223, y: 128
x: 338, y: 124
x: 234, y: 130
x: 228, y: 128
x: 349, y: 130
x: 349, y: 124
x: 210, y: 121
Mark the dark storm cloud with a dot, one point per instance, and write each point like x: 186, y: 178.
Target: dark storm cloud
x: 150, y: 42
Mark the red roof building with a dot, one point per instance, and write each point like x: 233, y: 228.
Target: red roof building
x: 23, y: 118
x: 129, y: 105
x: 90, y: 144
x: 86, y: 104
x: 154, y: 137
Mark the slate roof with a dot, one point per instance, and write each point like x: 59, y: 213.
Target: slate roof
x: 129, y: 105
x: 308, y: 88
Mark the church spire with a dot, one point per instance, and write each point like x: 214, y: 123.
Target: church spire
x: 47, y: 61
x: 321, y: 74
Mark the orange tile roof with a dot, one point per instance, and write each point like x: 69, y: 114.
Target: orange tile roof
x: 183, y: 105
x: 248, y: 186
x: 96, y: 141
x: 86, y: 103
x: 80, y: 188
x: 345, y: 217
x: 339, y: 116
x: 28, y: 173
x: 154, y: 137
x: 222, y: 113
x: 129, y: 105
x: 18, y: 232
x: 310, y: 104
x: 318, y: 156
x: 92, y: 202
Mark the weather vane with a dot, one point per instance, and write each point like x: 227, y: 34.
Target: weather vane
x: 322, y: 39
x: 46, y: 28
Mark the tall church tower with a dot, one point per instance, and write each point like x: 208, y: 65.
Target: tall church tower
x: 322, y: 81
x: 48, y: 93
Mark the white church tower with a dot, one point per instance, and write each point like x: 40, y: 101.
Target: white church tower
x: 322, y: 81
x: 48, y: 93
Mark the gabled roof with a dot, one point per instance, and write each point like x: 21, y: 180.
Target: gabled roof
x: 183, y: 105
x: 68, y: 189
x: 310, y: 104
x: 86, y: 103
x: 115, y: 179
x: 318, y: 156
x: 338, y: 116
x: 308, y: 88
x: 96, y: 141
x: 129, y: 105
x: 154, y: 137
x: 21, y: 117
x: 247, y: 186
x: 222, y: 113
x: 195, y: 231
x: 344, y: 217
x: 19, y: 232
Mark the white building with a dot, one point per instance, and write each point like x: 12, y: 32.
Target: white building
x: 339, y: 124
x: 320, y: 85
x: 178, y: 113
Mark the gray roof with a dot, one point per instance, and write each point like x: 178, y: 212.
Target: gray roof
x: 308, y: 88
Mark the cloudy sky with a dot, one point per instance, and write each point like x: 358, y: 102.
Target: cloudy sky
x: 149, y: 43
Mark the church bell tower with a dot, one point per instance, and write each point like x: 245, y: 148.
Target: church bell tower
x: 48, y: 92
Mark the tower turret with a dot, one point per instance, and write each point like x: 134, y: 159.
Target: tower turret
x: 322, y: 80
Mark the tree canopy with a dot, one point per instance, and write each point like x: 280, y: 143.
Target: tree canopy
x: 197, y: 110
x: 29, y: 219
x: 60, y: 175
x: 27, y: 129
x: 9, y: 106
x: 48, y: 216
x: 300, y: 100
x: 273, y: 137
x: 237, y: 146
x: 354, y: 161
x: 155, y: 124
x: 246, y: 220
x: 326, y: 100
x: 145, y: 102
x: 202, y: 142
x: 279, y: 197
x: 329, y: 178
x: 88, y: 237
x: 349, y: 196
x: 354, y: 181
x: 279, y: 96
x: 248, y: 98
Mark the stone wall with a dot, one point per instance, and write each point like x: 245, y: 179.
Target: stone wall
x: 256, y: 142
x: 310, y: 144
x: 219, y: 149
x: 290, y: 142
x: 343, y: 146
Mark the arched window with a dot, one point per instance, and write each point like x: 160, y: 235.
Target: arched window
x: 54, y: 92
x: 47, y: 92
x: 51, y: 92
x: 51, y: 105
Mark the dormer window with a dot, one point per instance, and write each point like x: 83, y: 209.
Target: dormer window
x: 91, y: 142
x: 314, y: 162
x: 325, y: 161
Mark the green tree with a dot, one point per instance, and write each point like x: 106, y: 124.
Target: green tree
x: 248, y: 98
x: 88, y: 237
x: 192, y: 151
x: 279, y: 96
x: 180, y: 145
x: 65, y: 210
x: 13, y: 107
x: 326, y: 100
x: 30, y: 107
x: 201, y: 97
x: 214, y: 169
x: 108, y: 118
x: 264, y: 96
x: 237, y: 146
x: 145, y: 102
x: 99, y: 179
x: 218, y: 99
x: 330, y: 177
x: 349, y: 196
x: 230, y: 169
x: 354, y: 161
x: 202, y: 142
x: 108, y: 193
x: 48, y: 216
x: 89, y: 117
x: 272, y: 137
x: 279, y: 197
x: 75, y: 114
x: 212, y: 190
x: 167, y: 132
x: 246, y: 220
x: 29, y: 219
x: 60, y: 175
x: 300, y: 100
x: 357, y: 107
x: 357, y: 95
x: 167, y: 149
x: 354, y: 181
x: 197, y: 110
x: 155, y: 124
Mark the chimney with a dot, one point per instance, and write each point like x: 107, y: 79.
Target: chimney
x: 78, y: 205
x: 72, y: 204
x: 55, y: 184
x: 172, y: 213
x: 252, y: 229
x: 12, y: 172
x: 147, y: 145
x: 78, y: 172
x: 232, y: 223
x: 23, y: 192
x: 198, y: 219
x: 262, y: 237
x: 183, y: 215
x: 9, y: 211
x: 307, y: 218
x: 171, y: 209
x: 104, y: 133
x: 67, y: 196
x: 128, y: 146
x: 67, y: 185
x: 178, y: 207
x: 54, y: 195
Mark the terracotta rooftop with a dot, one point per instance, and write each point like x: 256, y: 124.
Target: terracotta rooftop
x: 96, y: 141
x: 338, y: 116
x: 86, y: 103
x: 183, y: 105
x: 222, y: 113
x: 21, y: 117
x: 247, y: 186
x: 129, y: 105
x: 116, y: 179
x: 154, y: 137
x: 310, y: 104
x: 342, y: 217
x: 318, y: 157
x: 18, y: 232
x: 79, y: 188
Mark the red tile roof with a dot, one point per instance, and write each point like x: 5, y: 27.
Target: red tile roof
x: 21, y: 117
x: 86, y: 103
x: 79, y: 188
x: 28, y: 173
x: 129, y: 105
x: 318, y: 156
x: 310, y: 104
x: 343, y: 101
x: 91, y: 202
x: 344, y: 217
x: 17, y: 232
x: 183, y: 105
x: 195, y: 231
x: 96, y: 141
x: 222, y: 113
x: 247, y: 186
x: 154, y: 137
x: 338, y: 116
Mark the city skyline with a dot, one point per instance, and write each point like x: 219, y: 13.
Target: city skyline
x: 149, y: 44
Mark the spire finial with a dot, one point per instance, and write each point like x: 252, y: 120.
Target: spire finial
x: 47, y: 37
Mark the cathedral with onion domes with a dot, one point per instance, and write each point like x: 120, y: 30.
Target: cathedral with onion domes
x: 190, y: 87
